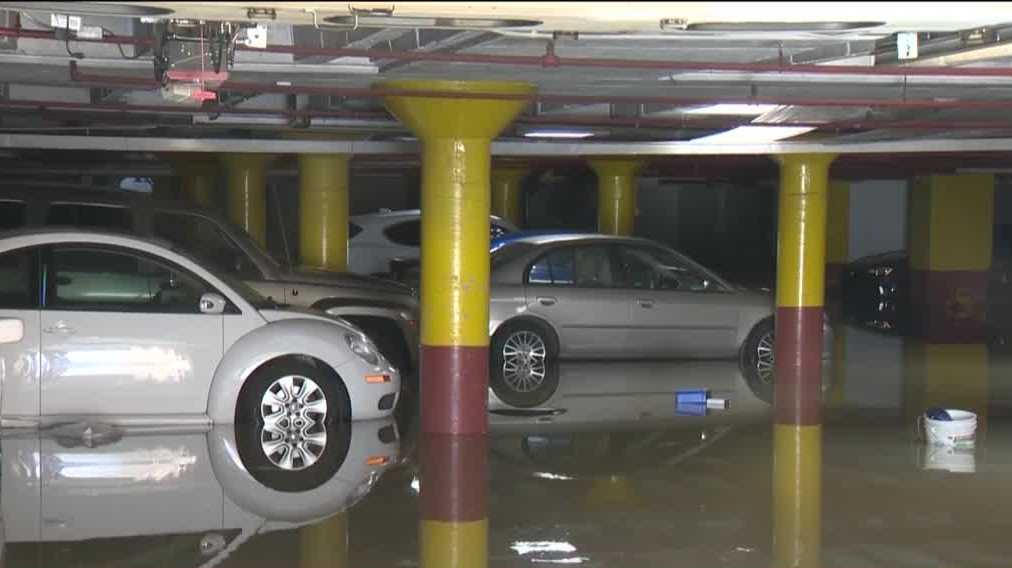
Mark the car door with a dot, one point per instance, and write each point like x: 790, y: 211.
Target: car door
x: 19, y: 333
x: 675, y: 309
x: 572, y: 287
x: 122, y: 333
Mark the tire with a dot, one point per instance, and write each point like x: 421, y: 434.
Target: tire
x: 756, y: 366
x: 537, y: 378
x: 307, y: 449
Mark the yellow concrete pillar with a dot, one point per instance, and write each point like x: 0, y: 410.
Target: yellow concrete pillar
x: 199, y: 182
x: 797, y: 434
x: 616, y: 194
x: 323, y: 211
x: 456, y: 134
x: 247, y: 193
x: 507, y: 192
x: 324, y: 544
x: 951, y: 224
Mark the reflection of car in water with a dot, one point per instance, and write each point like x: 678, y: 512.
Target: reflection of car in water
x: 607, y: 418
x: 573, y: 296
x: 181, y: 499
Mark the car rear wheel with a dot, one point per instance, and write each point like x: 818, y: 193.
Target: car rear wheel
x: 524, y: 364
x: 757, y: 360
x: 285, y: 420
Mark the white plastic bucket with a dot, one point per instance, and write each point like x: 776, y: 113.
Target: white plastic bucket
x: 961, y: 430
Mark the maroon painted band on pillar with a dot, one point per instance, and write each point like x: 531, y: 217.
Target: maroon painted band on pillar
x: 454, y: 389
x: 454, y: 477
x: 949, y: 306
x: 798, y: 354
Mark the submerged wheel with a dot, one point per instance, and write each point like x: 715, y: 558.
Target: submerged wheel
x: 757, y: 360
x: 524, y: 363
x: 284, y: 419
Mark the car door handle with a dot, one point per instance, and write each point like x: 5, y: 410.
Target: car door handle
x: 646, y: 303
x: 60, y: 327
x: 546, y: 300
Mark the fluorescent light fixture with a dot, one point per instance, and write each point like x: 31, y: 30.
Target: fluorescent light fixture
x: 732, y: 109
x: 556, y: 133
x: 753, y: 135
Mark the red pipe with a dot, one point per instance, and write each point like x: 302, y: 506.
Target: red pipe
x: 367, y: 92
x: 106, y: 107
x: 550, y: 59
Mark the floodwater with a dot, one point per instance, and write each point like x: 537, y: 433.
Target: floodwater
x: 607, y: 473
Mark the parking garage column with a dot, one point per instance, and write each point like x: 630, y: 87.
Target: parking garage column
x: 199, y: 179
x: 951, y: 224
x: 797, y: 435
x: 616, y: 194
x: 323, y: 211
x: 456, y: 136
x: 507, y: 192
x: 247, y: 193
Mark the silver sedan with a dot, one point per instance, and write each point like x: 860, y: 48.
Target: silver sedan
x: 586, y: 296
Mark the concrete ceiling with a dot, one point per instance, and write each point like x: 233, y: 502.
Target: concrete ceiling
x: 626, y: 72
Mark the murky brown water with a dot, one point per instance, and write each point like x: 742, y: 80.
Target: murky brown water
x: 607, y: 474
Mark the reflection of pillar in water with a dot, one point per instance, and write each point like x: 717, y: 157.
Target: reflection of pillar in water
x: 325, y: 544
x: 453, y: 532
x: 797, y: 435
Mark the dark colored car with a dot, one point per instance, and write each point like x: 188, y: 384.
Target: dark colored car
x: 875, y: 292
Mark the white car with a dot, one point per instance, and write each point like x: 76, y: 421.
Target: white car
x: 118, y: 327
x: 377, y: 239
x: 184, y: 498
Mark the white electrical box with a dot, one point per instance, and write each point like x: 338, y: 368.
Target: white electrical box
x: 906, y: 45
x: 255, y: 37
x: 65, y: 22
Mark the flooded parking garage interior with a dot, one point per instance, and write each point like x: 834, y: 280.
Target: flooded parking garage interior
x: 460, y: 285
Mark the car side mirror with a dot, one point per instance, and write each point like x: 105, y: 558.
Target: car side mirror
x: 211, y: 303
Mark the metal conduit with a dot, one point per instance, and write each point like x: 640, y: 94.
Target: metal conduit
x: 549, y: 59
x: 367, y: 92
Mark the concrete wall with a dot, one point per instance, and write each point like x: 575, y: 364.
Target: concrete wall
x: 878, y: 217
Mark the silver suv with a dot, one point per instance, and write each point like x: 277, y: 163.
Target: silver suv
x: 386, y: 311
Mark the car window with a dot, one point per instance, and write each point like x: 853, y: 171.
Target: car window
x: 203, y: 239
x: 656, y: 269
x: 408, y: 233
x: 18, y: 280
x: 12, y: 215
x: 594, y: 267
x: 100, y: 279
x: 508, y: 252
x: 353, y: 230
x: 556, y: 268
x: 111, y: 217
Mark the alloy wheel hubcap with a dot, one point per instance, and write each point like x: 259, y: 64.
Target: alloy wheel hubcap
x: 764, y: 358
x: 523, y: 355
x: 294, y: 411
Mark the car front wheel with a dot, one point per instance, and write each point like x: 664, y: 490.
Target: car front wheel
x: 284, y: 424
x: 524, y: 364
x: 757, y: 360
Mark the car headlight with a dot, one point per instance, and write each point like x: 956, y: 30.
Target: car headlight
x: 363, y: 348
